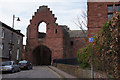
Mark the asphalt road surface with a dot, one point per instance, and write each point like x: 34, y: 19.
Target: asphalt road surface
x: 36, y: 72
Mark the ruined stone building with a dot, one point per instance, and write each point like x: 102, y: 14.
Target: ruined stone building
x: 58, y: 41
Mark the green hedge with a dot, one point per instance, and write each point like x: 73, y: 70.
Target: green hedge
x: 105, y: 49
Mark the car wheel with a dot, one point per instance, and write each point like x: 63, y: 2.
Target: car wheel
x: 13, y: 70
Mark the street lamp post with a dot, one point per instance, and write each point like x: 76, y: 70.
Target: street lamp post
x: 11, y: 41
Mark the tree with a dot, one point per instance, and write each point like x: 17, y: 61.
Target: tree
x: 81, y: 21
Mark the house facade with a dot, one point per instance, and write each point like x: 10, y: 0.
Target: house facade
x: 99, y: 12
x: 10, y: 38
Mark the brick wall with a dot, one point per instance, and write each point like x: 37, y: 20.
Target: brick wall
x: 97, y: 16
x: 79, y: 72
x: 77, y: 44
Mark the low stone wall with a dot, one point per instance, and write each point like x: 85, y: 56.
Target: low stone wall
x: 79, y: 72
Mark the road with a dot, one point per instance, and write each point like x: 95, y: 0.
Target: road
x: 36, y: 72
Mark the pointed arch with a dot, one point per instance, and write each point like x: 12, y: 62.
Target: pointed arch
x: 41, y: 55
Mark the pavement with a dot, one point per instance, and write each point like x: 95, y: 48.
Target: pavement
x: 61, y: 73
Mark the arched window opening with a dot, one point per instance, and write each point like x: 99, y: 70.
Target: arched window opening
x: 42, y: 30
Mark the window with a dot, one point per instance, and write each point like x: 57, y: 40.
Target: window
x: 42, y: 30
x: 71, y: 43
x: 17, y: 54
x: 3, y: 33
x: 110, y: 8
x: 10, y: 52
x: 2, y: 46
x: 117, y: 8
x: 56, y: 31
x: 42, y: 27
x: 110, y: 11
x: 110, y: 16
x: 18, y: 40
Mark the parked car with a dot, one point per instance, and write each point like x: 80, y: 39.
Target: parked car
x: 25, y: 64
x: 9, y: 66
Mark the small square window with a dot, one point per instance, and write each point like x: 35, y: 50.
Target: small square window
x: 117, y: 8
x: 110, y: 16
x: 110, y: 8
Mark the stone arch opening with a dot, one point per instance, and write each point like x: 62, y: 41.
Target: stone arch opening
x: 42, y: 55
x: 42, y: 29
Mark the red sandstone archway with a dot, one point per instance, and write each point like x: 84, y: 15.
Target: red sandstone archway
x: 41, y: 55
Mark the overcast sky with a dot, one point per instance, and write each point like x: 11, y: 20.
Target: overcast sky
x: 65, y: 11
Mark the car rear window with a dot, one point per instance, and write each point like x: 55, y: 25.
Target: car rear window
x: 6, y: 63
x: 23, y: 61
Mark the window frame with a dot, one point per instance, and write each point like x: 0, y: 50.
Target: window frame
x: 2, y: 46
x: 18, y: 52
x: 118, y: 7
x: 109, y: 14
x: 3, y: 33
x: 108, y: 6
x: 18, y: 40
x: 114, y: 9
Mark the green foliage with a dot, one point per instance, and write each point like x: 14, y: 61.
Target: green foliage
x: 105, y: 27
x: 83, y: 55
x: 104, y: 48
x: 84, y: 64
x: 98, y: 47
x: 78, y: 55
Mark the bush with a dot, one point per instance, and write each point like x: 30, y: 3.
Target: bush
x: 104, y: 48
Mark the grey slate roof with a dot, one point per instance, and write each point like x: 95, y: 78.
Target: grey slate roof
x: 77, y: 33
x: 8, y: 27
